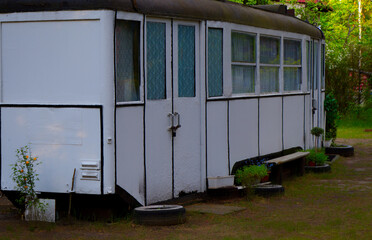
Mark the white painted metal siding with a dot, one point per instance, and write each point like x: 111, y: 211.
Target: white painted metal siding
x: 270, y: 125
x: 243, y: 124
x: 217, y: 150
x: 293, y: 121
x: 65, y: 57
x: 129, y: 151
x: 62, y: 138
x: 51, y: 62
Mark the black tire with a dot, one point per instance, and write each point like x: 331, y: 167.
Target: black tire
x: 160, y: 215
x: 346, y: 151
x: 269, y: 190
x: 318, y: 169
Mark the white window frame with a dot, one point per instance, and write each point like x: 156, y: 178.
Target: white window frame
x: 227, y: 77
x: 168, y: 49
x: 244, y: 63
x: 294, y: 66
x: 206, y: 63
x: 279, y: 65
x: 125, y: 16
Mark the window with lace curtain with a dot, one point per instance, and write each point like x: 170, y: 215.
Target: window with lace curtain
x: 269, y: 64
x: 292, y: 65
x: 243, y: 67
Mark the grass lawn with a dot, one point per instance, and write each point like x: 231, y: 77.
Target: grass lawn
x: 334, y: 205
x: 351, y: 126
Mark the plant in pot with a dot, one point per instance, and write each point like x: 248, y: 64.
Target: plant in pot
x: 328, y: 139
x: 249, y: 176
x: 268, y: 166
x: 316, y: 158
x: 317, y: 132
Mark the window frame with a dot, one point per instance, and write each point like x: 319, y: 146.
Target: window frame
x: 125, y: 16
x: 244, y: 63
x: 207, y: 61
x: 298, y: 66
x: 278, y: 65
x: 168, y: 56
x: 228, y: 28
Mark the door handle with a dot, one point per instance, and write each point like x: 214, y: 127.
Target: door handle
x: 172, y: 119
x: 176, y: 114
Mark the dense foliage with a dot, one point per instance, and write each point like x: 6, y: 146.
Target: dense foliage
x: 331, y: 108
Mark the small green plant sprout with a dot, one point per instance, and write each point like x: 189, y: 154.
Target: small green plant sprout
x: 317, y: 132
x: 25, y: 176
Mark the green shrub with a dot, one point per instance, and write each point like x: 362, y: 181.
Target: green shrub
x: 331, y: 108
x: 250, y: 175
x: 317, y: 131
x: 25, y: 176
x: 319, y: 158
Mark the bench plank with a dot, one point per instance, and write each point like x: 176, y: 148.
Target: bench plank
x: 294, y: 162
x: 288, y: 158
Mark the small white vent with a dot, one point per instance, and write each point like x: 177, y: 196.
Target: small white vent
x: 90, y: 175
x: 92, y: 165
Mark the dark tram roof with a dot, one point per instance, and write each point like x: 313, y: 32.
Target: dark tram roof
x: 217, y: 10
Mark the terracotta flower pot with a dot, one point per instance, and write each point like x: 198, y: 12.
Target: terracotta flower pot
x: 266, y: 178
x: 311, y: 163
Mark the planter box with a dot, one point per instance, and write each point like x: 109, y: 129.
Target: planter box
x: 35, y: 214
x: 220, y: 182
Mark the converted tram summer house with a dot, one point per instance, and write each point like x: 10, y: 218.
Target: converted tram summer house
x: 152, y: 97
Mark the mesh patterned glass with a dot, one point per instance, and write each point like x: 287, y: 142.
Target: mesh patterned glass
x: 156, y: 56
x: 323, y: 66
x: 215, y: 72
x: 186, y: 61
x: 127, y: 53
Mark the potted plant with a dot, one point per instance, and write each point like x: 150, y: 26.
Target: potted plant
x: 328, y: 140
x: 316, y: 162
x: 317, y: 132
x: 268, y: 166
x: 316, y: 158
x: 250, y: 175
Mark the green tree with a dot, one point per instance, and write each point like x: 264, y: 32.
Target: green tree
x: 347, y: 27
x: 348, y: 34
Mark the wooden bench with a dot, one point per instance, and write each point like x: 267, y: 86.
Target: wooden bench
x: 287, y: 165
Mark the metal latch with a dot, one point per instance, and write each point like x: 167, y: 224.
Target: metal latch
x: 175, y: 122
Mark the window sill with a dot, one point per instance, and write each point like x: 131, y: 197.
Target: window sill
x: 129, y: 104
